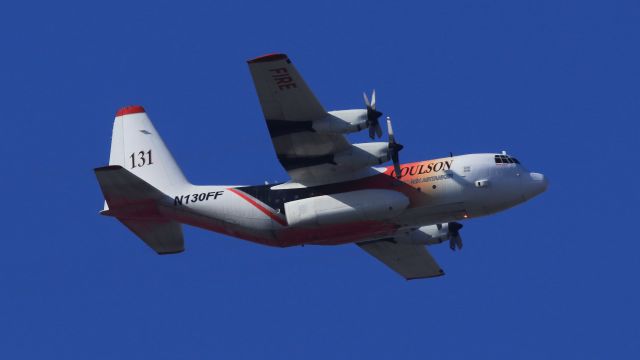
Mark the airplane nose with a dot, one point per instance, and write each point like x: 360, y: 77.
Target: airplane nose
x: 538, y: 183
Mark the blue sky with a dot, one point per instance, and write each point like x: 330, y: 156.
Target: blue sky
x: 552, y: 82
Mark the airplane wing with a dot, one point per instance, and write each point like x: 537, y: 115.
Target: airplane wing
x: 408, y: 260
x: 290, y: 108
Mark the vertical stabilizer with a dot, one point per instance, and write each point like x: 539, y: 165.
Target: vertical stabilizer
x: 137, y: 147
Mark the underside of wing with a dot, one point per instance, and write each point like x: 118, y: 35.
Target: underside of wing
x: 283, y: 93
x: 292, y: 113
x: 409, y: 260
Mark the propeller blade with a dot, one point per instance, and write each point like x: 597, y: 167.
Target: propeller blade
x: 458, y: 240
x: 455, y: 240
x: 372, y: 115
x: 394, y: 149
x: 373, y: 99
x: 397, y: 170
x: 395, y: 158
x: 455, y: 227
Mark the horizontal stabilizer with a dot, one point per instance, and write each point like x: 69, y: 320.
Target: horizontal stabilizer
x: 121, y: 188
x: 409, y: 260
x: 165, y: 237
x: 135, y: 203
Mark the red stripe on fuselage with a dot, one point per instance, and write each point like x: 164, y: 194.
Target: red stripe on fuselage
x: 266, y: 211
x: 336, y: 234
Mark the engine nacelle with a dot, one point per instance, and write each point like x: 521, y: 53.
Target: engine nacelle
x: 362, y: 155
x: 425, y: 235
x: 353, y: 206
x: 342, y: 121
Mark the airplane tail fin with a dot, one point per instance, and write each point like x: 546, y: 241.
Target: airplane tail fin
x: 138, y: 147
x: 140, y: 174
x: 138, y: 205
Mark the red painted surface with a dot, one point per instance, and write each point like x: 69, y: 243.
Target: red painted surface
x: 336, y: 234
x: 128, y: 110
x: 266, y: 211
x: 267, y: 58
x: 209, y: 225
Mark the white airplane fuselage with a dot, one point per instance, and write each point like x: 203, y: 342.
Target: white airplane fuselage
x: 429, y: 192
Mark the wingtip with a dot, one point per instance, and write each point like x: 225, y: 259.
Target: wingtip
x: 128, y: 110
x: 440, y: 273
x: 268, y: 58
x: 171, y: 252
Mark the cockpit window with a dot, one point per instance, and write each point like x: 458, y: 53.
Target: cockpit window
x: 505, y: 159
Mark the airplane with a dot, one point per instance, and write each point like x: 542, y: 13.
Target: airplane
x: 339, y: 192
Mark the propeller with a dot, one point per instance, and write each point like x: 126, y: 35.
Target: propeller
x: 372, y: 115
x: 394, y: 149
x: 454, y: 236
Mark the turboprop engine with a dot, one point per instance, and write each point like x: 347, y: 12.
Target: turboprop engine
x: 433, y: 234
x: 348, y: 121
x: 368, y: 154
x: 353, y: 206
x: 364, y: 154
x: 342, y: 121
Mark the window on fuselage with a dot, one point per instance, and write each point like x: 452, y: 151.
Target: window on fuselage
x: 503, y: 159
